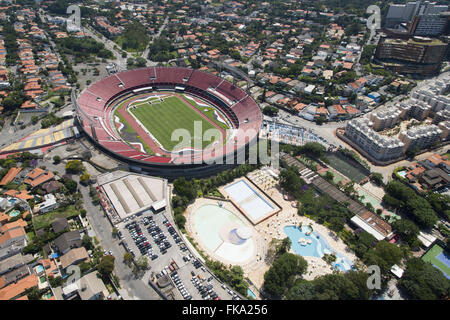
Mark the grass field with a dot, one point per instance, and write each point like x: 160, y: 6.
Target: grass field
x: 209, y: 112
x: 431, y: 256
x: 44, y: 220
x: 161, y: 119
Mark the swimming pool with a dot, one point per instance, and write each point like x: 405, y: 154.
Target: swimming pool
x: 402, y: 173
x: 250, y: 293
x: 14, y: 213
x: 318, y: 248
x: 248, y: 199
x: 39, y: 268
x: 210, y: 222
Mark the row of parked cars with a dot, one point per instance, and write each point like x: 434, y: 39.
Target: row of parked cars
x: 205, y: 290
x: 157, y: 235
x: 180, y: 286
x: 140, y: 240
x: 172, y: 232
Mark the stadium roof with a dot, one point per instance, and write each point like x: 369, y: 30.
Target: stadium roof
x: 96, y: 103
x: 133, y: 193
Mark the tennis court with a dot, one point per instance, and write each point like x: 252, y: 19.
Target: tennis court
x: 347, y: 167
x: 439, y: 259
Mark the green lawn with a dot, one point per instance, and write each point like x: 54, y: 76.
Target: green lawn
x: 44, y: 220
x: 209, y: 112
x: 162, y: 119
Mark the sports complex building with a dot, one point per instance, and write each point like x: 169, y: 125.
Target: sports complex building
x: 133, y: 115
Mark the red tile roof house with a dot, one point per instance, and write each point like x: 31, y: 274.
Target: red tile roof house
x: 18, y: 194
x: 12, y: 173
x: 38, y: 176
x: 12, y: 236
x: 16, y: 290
x: 13, y: 225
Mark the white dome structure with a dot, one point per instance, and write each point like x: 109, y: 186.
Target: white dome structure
x: 244, y: 232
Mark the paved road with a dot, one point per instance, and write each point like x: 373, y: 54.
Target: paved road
x: 132, y: 288
x: 145, y: 53
x: 325, y: 130
x: 120, y: 62
x: 136, y: 288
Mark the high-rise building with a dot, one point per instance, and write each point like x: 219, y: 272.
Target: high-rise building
x: 416, y: 56
x: 419, y: 18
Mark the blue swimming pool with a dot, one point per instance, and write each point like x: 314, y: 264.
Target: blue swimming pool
x: 250, y: 293
x: 39, y: 268
x: 402, y: 173
x: 317, y: 248
x: 14, y: 213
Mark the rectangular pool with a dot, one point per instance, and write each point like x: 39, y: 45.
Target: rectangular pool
x: 249, y: 200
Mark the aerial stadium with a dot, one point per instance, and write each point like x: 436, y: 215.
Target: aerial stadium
x: 169, y: 121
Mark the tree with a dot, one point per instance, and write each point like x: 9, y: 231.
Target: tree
x: 180, y: 220
x: 406, y: 200
x: 385, y: 255
x: 74, y: 166
x: 407, y: 230
x: 33, y: 293
x: 70, y: 185
x: 440, y: 203
x: 424, y: 282
x: 142, y: 263
x: 106, y: 266
x: 86, y: 242
x: 377, y: 178
x: 313, y: 149
x: 282, y: 273
x: 115, y: 232
x: 128, y: 258
x: 140, y: 62
x: 185, y: 188
x: 285, y: 245
x: 329, y: 176
x: 270, y: 111
x: 291, y: 182
x: 303, y: 290
x: 56, y: 159
x: 34, y: 119
x: 55, y: 281
x: 134, y: 36
x: 348, y: 286
x: 85, y: 178
x: 84, y: 267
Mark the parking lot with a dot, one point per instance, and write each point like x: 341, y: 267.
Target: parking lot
x: 154, y: 236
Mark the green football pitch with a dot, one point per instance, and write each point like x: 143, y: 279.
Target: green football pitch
x: 161, y: 119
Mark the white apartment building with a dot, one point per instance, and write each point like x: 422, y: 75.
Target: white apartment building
x: 445, y: 127
x: 378, y: 146
x: 386, y: 118
x: 429, y: 100
x: 420, y: 137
